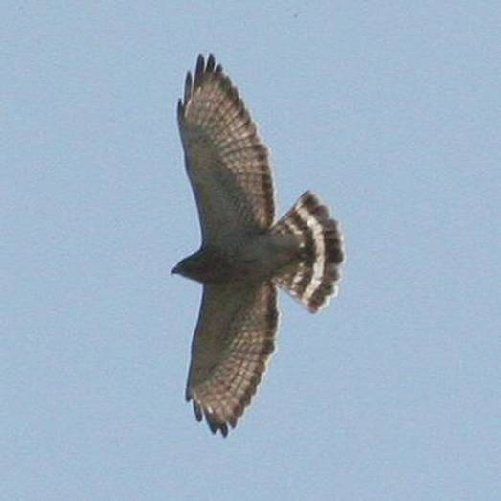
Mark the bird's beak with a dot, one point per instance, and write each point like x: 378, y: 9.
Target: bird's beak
x: 175, y: 270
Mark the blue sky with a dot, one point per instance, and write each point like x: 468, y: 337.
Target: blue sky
x: 390, y: 111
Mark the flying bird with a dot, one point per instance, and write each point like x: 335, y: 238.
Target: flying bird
x: 245, y: 255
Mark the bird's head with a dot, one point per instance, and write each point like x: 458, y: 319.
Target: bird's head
x: 193, y: 267
x: 183, y: 267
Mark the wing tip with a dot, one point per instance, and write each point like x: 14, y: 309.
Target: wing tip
x: 180, y: 110
x: 199, y: 69
x: 216, y: 426
x: 188, y: 88
x: 203, y: 67
x: 211, y: 64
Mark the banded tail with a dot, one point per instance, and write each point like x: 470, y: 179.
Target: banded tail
x: 315, y: 278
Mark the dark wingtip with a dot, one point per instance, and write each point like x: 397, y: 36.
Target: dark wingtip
x: 180, y: 109
x: 212, y: 424
x: 199, y: 69
x: 188, y: 87
x: 211, y: 63
x: 215, y: 424
x: 234, y: 419
x: 224, y: 430
x: 198, y: 411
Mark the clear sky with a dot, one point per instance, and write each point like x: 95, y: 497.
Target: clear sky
x: 390, y: 111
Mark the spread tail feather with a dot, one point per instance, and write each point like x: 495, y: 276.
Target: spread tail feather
x: 315, y: 278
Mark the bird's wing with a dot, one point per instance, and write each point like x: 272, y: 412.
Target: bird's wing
x: 225, y: 158
x: 234, y: 337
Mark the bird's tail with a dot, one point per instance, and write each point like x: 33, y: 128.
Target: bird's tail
x: 314, y: 280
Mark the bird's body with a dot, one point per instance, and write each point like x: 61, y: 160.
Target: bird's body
x: 245, y: 255
x: 250, y: 257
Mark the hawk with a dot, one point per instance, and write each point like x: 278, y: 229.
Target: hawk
x: 245, y: 256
